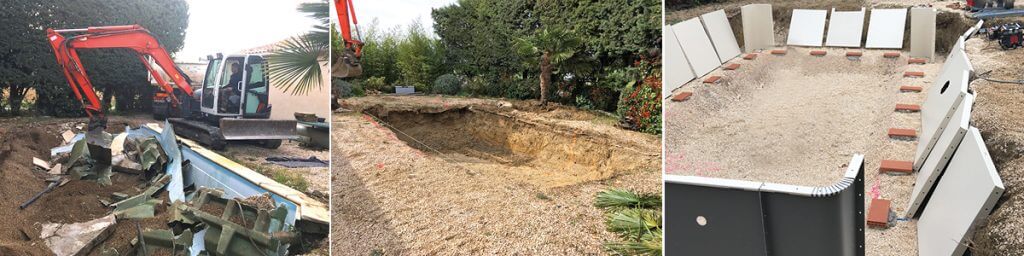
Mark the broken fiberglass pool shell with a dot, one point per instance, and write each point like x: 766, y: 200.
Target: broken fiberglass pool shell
x: 206, y: 195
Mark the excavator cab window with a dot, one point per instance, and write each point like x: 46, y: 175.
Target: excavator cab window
x: 255, y: 86
x: 229, y: 98
x: 209, y: 84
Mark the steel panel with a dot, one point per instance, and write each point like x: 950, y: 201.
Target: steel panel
x: 944, y: 95
x: 676, y: 68
x: 964, y: 198
x: 886, y: 27
x: 807, y: 27
x: 845, y: 29
x: 717, y: 25
x: 922, y: 33
x: 696, y: 46
x: 758, y: 27
x: 757, y: 218
x: 935, y: 164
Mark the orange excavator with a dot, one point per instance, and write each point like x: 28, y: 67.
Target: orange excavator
x: 231, y: 104
x: 347, y: 65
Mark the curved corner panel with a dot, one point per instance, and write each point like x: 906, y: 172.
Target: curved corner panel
x: 710, y: 216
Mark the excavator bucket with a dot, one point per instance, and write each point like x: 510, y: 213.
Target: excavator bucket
x: 258, y: 129
x: 347, y: 65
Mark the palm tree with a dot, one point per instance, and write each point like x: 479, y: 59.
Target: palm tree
x: 296, y: 64
x: 549, y: 48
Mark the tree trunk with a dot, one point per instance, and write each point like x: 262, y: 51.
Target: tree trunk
x: 545, y: 77
x: 108, y: 96
x: 17, y: 95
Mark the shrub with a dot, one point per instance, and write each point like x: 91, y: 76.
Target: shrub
x: 640, y: 102
x: 377, y: 83
x: 447, y: 84
x: 345, y: 89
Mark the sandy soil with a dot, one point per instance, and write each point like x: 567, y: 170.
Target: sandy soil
x: 411, y: 183
x: 76, y: 201
x: 798, y: 119
x: 997, y: 113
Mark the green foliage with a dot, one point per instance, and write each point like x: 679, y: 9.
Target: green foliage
x: 447, y: 84
x: 640, y: 102
x: 380, y: 53
x: 296, y: 64
x: 419, y: 58
x: 635, y: 218
x: 27, y: 62
x: 377, y: 83
x: 549, y: 47
x: 621, y: 198
x: 479, y: 39
x: 347, y: 89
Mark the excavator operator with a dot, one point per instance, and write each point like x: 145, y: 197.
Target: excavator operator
x: 233, y: 89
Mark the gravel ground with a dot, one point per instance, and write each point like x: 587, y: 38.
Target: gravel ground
x: 392, y: 198
x: 798, y: 119
x: 999, y: 117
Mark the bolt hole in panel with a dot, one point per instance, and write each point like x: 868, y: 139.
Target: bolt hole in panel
x: 717, y: 25
x: 676, y: 68
x: 807, y: 28
x: 885, y: 29
x: 845, y: 29
x: 696, y: 46
x: 942, y: 101
x: 945, y: 146
x: 758, y: 218
x: 963, y: 198
x: 758, y: 27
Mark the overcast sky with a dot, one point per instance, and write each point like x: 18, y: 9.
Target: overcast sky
x: 392, y: 13
x: 229, y: 26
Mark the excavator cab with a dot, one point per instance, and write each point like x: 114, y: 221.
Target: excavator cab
x: 235, y: 86
x: 234, y: 104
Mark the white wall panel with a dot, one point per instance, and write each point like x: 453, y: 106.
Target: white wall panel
x: 722, y: 37
x: 886, y: 27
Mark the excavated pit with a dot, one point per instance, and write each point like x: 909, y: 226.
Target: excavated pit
x: 542, y: 154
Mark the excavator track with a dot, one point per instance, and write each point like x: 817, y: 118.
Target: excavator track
x: 201, y: 132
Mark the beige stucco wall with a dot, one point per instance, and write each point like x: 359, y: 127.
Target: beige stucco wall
x: 317, y: 101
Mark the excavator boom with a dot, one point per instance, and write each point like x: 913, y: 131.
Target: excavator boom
x: 347, y: 65
x: 132, y: 37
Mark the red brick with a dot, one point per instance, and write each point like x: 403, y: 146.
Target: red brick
x: 913, y: 74
x: 878, y: 214
x: 779, y: 52
x: 891, y: 55
x: 750, y: 56
x: 712, y: 79
x: 902, y: 167
x: 818, y: 53
x: 908, y: 88
x: 682, y: 96
x: 731, y: 66
x: 854, y: 54
x: 902, y: 133
x: 908, y: 108
x: 917, y: 61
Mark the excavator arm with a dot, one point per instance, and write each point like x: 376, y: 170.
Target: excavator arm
x: 347, y: 65
x: 133, y: 37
